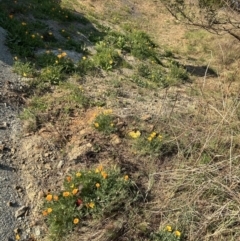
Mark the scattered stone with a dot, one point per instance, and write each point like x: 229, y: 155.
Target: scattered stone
x: 2, y: 146
x: 60, y: 164
x: 19, y: 189
x: 10, y: 204
x: 146, y: 117
x: 115, y: 140
x: 37, y: 231
x: 40, y: 194
x: 78, y: 151
x: 48, y: 166
x: 16, y: 230
x: 21, y: 211
x: 3, y: 125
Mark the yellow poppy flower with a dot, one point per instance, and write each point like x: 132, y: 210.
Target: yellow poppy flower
x: 134, y: 134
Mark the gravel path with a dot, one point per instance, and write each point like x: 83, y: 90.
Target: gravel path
x: 10, y: 201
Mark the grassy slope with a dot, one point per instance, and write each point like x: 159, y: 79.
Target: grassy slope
x: 192, y: 181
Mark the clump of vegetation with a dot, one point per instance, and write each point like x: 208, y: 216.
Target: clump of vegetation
x: 104, y: 122
x: 87, y: 194
x: 168, y: 234
x: 147, y: 144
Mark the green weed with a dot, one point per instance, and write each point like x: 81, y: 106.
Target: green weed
x: 51, y: 74
x: 24, y: 69
x: 87, y: 194
x: 104, y: 122
x: 168, y: 234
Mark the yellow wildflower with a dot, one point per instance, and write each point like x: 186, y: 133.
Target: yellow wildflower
x: 64, y: 54
x: 78, y: 174
x: 160, y: 137
x: 15, y: 58
x: 107, y: 112
x: 55, y: 198
x: 49, y: 197
x: 177, y: 233
x: 41, y: 37
x: 68, y: 178
x: 63, y: 30
x: 49, y: 210
x: 104, y: 175
x: 168, y: 228
x: 33, y: 35
x: 126, y: 177
x: 66, y: 194
x: 11, y: 16
x: 17, y: 237
x: 24, y: 24
x: 83, y: 57
x: 110, y: 62
x: 59, y: 56
x: 153, y: 134
x: 96, y: 124
x: 149, y: 138
x: 97, y: 185
x: 24, y: 74
x: 75, y: 220
x: 74, y: 191
x: 91, y: 204
x: 134, y: 134
x: 50, y: 33
x: 45, y: 213
x: 111, y: 124
x: 56, y: 62
x: 100, y: 167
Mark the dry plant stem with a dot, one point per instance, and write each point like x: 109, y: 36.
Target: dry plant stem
x: 228, y: 114
x: 205, y: 74
x: 230, y: 158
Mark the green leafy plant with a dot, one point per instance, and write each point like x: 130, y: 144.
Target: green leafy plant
x: 87, y: 194
x: 147, y: 144
x: 104, y: 122
x: 168, y: 234
x: 51, y: 74
x: 24, y: 69
x: 107, y: 57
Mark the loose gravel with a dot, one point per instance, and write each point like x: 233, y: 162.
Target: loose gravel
x: 10, y: 198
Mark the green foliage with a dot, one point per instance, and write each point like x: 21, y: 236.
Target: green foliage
x: 24, y: 69
x: 104, y: 122
x: 76, y: 95
x: 107, y: 57
x: 51, y: 74
x: 85, y: 65
x: 166, y: 235
x: 87, y: 194
x: 151, y: 144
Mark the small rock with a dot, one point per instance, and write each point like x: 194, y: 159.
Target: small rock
x: 3, y: 125
x: 40, y: 194
x: 2, y: 146
x: 146, y: 117
x: 115, y: 140
x: 60, y: 164
x: 10, y: 204
x: 19, y: 189
x: 48, y: 166
x: 37, y: 231
x: 21, y: 211
x: 16, y: 230
x: 46, y: 154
